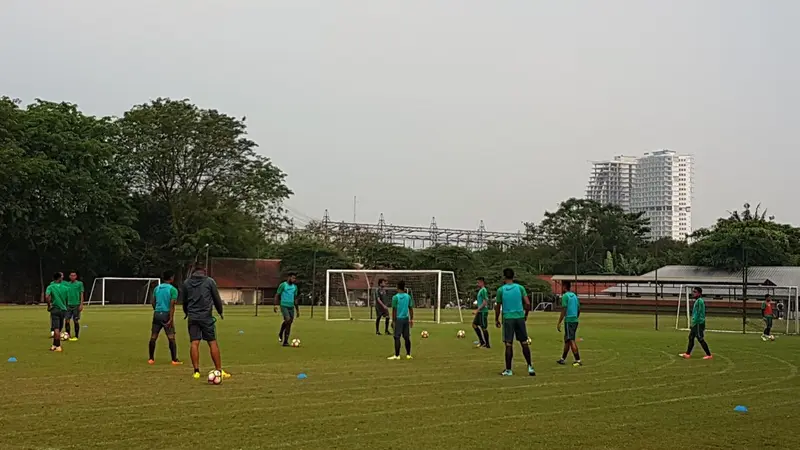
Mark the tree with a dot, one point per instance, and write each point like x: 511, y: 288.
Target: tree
x: 310, y: 257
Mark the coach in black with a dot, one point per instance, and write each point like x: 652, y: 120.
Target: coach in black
x: 199, y: 295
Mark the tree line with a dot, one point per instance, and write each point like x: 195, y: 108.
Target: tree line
x: 147, y: 191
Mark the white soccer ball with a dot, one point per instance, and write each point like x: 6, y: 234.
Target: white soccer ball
x: 529, y: 341
x: 771, y: 337
x: 461, y: 334
x: 215, y: 377
x: 64, y: 336
x: 295, y: 342
x: 52, y: 333
x: 424, y: 334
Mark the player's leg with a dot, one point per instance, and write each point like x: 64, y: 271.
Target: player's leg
x: 195, y: 335
x: 485, y: 328
x: 521, y: 332
x: 768, y: 330
x: 289, y: 319
x: 67, y: 318
x: 56, y: 320
x: 573, y: 342
x: 567, y: 346
x: 209, y: 332
x: 398, y: 331
x: 476, y: 325
x: 508, y: 340
x: 690, y: 346
x: 407, y: 338
x: 379, y: 316
x: 701, y: 337
x: 169, y: 330
x: 76, y: 319
x: 155, y: 330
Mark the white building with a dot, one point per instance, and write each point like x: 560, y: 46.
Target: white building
x: 659, y: 183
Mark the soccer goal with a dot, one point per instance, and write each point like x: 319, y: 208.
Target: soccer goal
x: 122, y: 291
x: 724, y: 308
x: 349, y: 294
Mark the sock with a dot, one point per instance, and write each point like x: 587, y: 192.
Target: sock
x: 152, y: 348
x: 480, y: 335
x: 408, y: 346
x: 56, y: 340
x: 705, y: 347
x: 286, y: 332
x: 378, y: 325
x: 67, y: 329
x: 196, y: 370
x: 509, y: 356
x: 397, y: 346
x: 690, y: 347
x: 387, y: 325
x: 564, y: 354
x: 577, y: 356
x: 283, y: 327
x: 526, y: 352
x: 486, y: 336
x: 77, y: 329
x: 173, y: 349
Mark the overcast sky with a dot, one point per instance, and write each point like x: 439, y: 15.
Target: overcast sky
x: 461, y: 109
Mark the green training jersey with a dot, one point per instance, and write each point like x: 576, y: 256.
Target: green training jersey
x: 699, y: 312
x: 288, y: 292
x: 164, y: 294
x: 402, y: 303
x: 572, y: 306
x: 58, y: 295
x: 74, y: 291
x: 511, y: 297
x: 483, y: 296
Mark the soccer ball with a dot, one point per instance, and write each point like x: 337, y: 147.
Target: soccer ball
x: 771, y: 337
x: 424, y: 334
x: 461, y: 334
x: 52, y: 333
x: 215, y: 377
x: 64, y: 336
x: 529, y: 341
x: 295, y: 342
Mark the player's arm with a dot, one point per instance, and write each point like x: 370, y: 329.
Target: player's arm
x: 80, y: 307
x: 215, y: 297
x: 498, y: 303
x: 379, y: 300
x: 394, y: 309
x: 48, y: 297
x: 763, y: 308
x: 563, y: 312
x: 411, y: 315
x: 278, y: 297
x: 173, y: 301
x: 297, y: 302
x: 483, y: 297
x: 184, y: 302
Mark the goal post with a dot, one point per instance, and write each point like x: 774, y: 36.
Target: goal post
x: 122, y: 291
x: 724, y: 305
x: 349, y: 294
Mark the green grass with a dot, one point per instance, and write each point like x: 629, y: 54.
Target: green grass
x: 633, y: 392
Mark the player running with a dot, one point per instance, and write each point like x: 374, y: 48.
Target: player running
x: 287, y: 293
x: 515, y: 303
x: 481, y: 322
x: 570, y: 311
x: 165, y: 296
x: 200, y: 295
x: 402, y: 319
x: 56, y: 298
x: 381, y: 297
x: 766, y: 314
x: 74, y: 289
x: 698, y: 329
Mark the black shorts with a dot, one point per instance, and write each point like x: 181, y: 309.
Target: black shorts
x: 57, y: 318
x: 698, y: 331
x: 481, y: 319
x: 161, y: 322
x: 379, y: 312
x: 570, y: 331
x: 73, y: 313
x: 515, y: 329
x: 205, y: 329
x: 287, y: 312
x: 402, y: 327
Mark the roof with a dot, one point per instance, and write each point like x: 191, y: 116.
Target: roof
x: 239, y: 273
x: 660, y: 278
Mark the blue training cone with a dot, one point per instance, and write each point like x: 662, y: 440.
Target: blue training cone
x: 740, y: 408
x: 12, y: 359
x: 302, y: 376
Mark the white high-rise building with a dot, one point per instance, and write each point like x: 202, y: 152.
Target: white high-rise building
x: 659, y: 184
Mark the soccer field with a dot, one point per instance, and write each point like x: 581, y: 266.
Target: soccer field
x: 633, y: 391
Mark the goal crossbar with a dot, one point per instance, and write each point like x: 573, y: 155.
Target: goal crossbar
x: 150, y: 282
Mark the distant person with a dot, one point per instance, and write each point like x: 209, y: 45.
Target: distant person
x: 381, y: 298
x: 402, y: 319
x: 165, y: 296
x: 780, y: 309
x: 200, y: 297
x: 570, y: 311
x: 56, y: 298
x: 698, y: 330
x: 514, y: 301
x: 766, y: 314
x: 287, y: 295
x: 481, y: 322
x: 74, y: 305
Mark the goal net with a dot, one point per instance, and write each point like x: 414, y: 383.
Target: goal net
x: 350, y: 294
x: 724, y: 306
x: 122, y: 291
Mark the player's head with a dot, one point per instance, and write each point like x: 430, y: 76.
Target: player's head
x: 401, y: 286
x: 58, y: 276
x: 566, y: 286
x: 73, y: 275
x: 508, y: 274
x: 199, y: 267
x: 381, y: 282
x: 291, y: 277
x: 697, y: 292
x: 481, y: 282
x: 167, y: 276
x: 767, y: 298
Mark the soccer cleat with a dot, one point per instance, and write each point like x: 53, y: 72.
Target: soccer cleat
x: 57, y: 349
x: 196, y: 375
x: 151, y: 361
x: 577, y: 364
x: 73, y: 339
x: 531, y: 372
x: 177, y: 363
x: 708, y: 357
x: 52, y: 348
x: 393, y: 358
x: 479, y: 346
x: 225, y: 374
x: 409, y: 357
x: 685, y: 355
x: 764, y: 338
x: 285, y: 344
x: 506, y: 373
x: 377, y: 333
x: 280, y: 338
x: 561, y: 361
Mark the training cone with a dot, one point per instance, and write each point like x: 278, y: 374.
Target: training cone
x: 740, y: 408
x: 302, y: 376
x: 241, y: 331
x: 85, y: 326
x: 12, y: 359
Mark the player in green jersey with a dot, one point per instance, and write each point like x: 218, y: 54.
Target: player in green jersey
x: 74, y: 305
x: 56, y: 298
x: 698, y: 330
x: 515, y: 304
x: 165, y: 296
x: 481, y: 322
x: 570, y: 311
x: 287, y: 296
x: 402, y: 319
